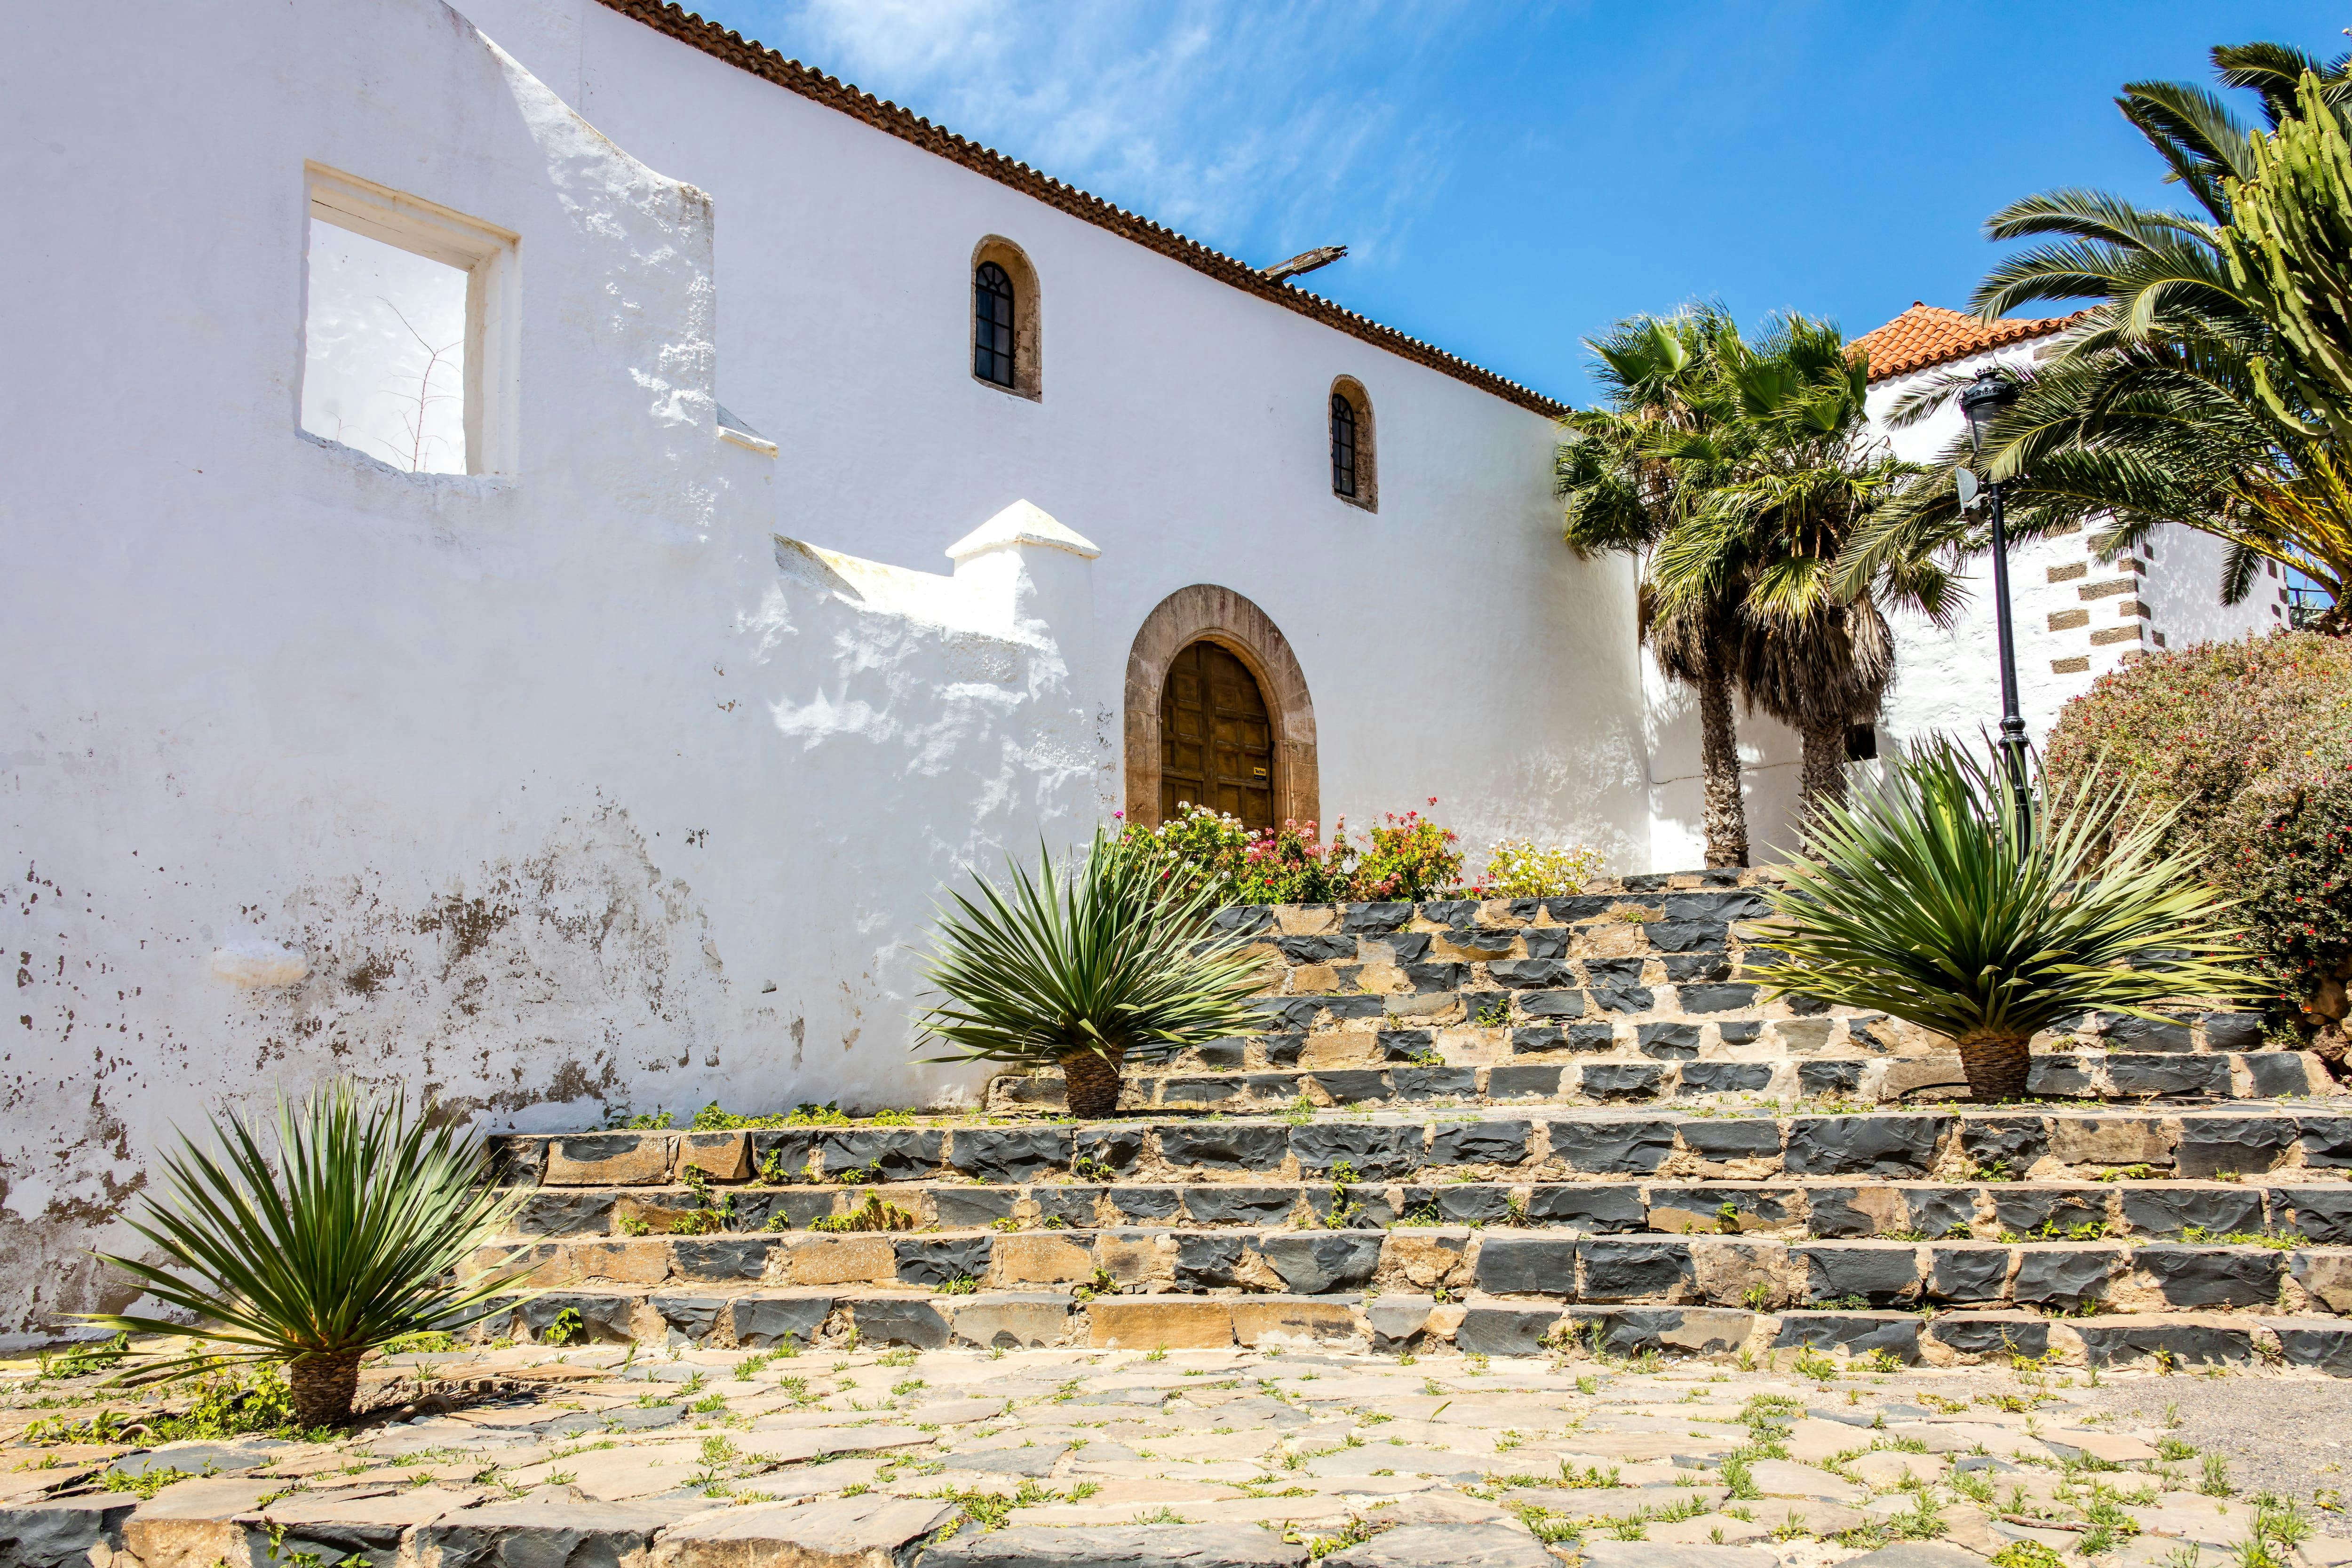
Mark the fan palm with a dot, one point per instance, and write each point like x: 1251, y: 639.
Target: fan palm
x: 352, y: 1237
x: 1081, y: 966
x: 1621, y: 489
x: 1778, y: 489
x: 1922, y: 899
x: 2197, y: 387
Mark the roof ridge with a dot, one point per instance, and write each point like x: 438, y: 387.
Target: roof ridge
x: 1926, y: 335
x: 748, y: 55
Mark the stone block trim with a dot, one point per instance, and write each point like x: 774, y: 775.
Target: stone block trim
x: 2067, y: 620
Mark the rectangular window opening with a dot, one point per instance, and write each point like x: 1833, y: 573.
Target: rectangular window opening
x: 407, y: 351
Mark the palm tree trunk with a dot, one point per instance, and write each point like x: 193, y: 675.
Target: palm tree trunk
x: 1996, y: 1065
x: 322, y: 1387
x: 1823, y: 771
x: 1719, y: 753
x: 1090, y: 1085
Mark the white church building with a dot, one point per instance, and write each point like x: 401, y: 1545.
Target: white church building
x: 541, y: 534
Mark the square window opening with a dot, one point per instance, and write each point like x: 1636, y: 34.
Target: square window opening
x: 408, y: 351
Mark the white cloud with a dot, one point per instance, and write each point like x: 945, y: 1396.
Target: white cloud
x: 1262, y: 127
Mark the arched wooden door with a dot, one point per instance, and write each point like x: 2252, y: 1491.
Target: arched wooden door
x: 1216, y: 741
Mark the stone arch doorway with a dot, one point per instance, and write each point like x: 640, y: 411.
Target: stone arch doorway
x: 1213, y: 693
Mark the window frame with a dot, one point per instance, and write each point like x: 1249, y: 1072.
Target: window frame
x: 1028, y: 317
x: 1347, y: 390
x: 487, y: 256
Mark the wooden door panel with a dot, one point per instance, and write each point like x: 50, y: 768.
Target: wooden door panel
x: 1216, y: 738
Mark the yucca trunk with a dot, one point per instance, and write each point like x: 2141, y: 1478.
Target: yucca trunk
x: 1090, y: 1084
x: 1823, y: 773
x: 323, y: 1387
x: 1719, y: 753
x: 1996, y: 1065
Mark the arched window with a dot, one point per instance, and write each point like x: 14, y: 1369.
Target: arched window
x: 1005, y: 313
x: 1355, y: 471
x: 992, y: 324
x: 1343, y: 447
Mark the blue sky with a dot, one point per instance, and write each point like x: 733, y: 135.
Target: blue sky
x: 1511, y: 178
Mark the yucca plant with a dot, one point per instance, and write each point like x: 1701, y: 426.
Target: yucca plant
x: 1081, y: 965
x: 350, y: 1237
x: 1923, y: 899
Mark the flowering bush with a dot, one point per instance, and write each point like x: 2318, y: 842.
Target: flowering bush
x: 1408, y: 857
x: 1521, y: 869
x: 2252, y: 741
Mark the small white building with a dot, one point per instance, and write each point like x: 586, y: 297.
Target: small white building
x: 541, y: 534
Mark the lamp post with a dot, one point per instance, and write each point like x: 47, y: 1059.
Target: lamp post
x: 1983, y: 401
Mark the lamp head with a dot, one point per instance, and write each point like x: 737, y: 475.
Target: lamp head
x: 1981, y: 400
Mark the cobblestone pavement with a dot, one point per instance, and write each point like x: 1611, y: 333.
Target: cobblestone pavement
x: 697, y: 1457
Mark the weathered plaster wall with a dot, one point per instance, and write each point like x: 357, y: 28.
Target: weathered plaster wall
x: 1453, y: 647
x: 552, y: 794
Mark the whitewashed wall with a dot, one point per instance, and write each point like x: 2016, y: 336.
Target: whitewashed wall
x: 577, y: 790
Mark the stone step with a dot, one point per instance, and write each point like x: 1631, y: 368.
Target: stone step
x: 2061, y: 1278
x: 1618, y: 1077
x: 1965, y: 1145
x: 1479, y: 1325
x: 2314, y: 1208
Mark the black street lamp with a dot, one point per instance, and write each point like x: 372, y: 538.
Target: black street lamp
x: 1983, y: 401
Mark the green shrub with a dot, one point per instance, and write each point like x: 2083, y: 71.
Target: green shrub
x: 2251, y: 743
x: 1522, y: 868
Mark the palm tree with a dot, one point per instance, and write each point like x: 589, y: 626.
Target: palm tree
x: 1621, y: 490
x: 2194, y: 389
x: 1787, y: 476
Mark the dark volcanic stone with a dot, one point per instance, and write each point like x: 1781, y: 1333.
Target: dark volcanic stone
x: 1613, y: 998
x: 690, y: 1318
x: 785, y: 1150
x: 1313, y: 1264
x: 1483, y: 1204
x: 969, y: 1208
x: 1137, y: 1204
x: 1864, y: 1145
x: 1762, y: 1207
x: 1579, y: 907
x: 1354, y: 1009
x: 2188, y: 1344
x: 1826, y: 1079
x: 1723, y: 998
x: 1732, y: 1138
x: 902, y: 1153
x: 770, y: 1320
x: 1203, y: 1262
x: 2049, y: 1211
x: 2232, y: 1031
x: 1229, y: 1052
x: 2148, y: 1035
x: 2212, y: 1276
x: 936, y: 1260
x: 1683, y: 967
x: 2011, y: 1143
x: 2326, y: 1139
x: 1528, y: 973
x: 1241, y: 919
x: 1743, y: 905
x: 1860, y: 1332
x: 1373, y: 920
x: 2007, y: 1335
x: 1882, y: 1276
x: 2271, y: 1074
x: 1526, y: 1265
x: 2063, y: 1277
x: 1225, y: 1145
x: 1552, y: 1005
x: 1629, y: 1271
x: 1687, y: 936
x: 1373, y: 1152
x: 1938, y: 1211
x: 799, y: 1207
x: 1010, y: 1153
x: 1118, y: 1147
x: 2316, y: 1343
x: 1480, y: 1144
x: 1071, y: 1206
x: 1724, y: 1078
x: 1347, y: 1086
x: 552, y: 1211
x: 898, y: 1321
x: 1614, y: 1147
x: 1403, y: 1045
x: 1435, y: 1083
x: 1834, y: 1213
x: 1623, y: 1080
x: 2166, y: 1211
x: 2247, y: 1144
x: 1609, y: 1208
x: 2058, y: 1076
x: 1512, y: 1082
x: 2181, y: 1075
x: 603, y: 1317
x: 1964, y: 1273
x: 1449, y: 911
x: 1282, y: 1050
x: 1368, y: 1208
x: 1287, y: 1013
x: 1316, y: 949
x: 1741, y: 1031
x: 1668, y: 1042
x: 2321, y: 1214
x: 1239, y: 1206
x: 1505, y: 1331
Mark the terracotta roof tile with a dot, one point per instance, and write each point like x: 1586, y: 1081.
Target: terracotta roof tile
x: 1928, y: 336
x: 723, y: 43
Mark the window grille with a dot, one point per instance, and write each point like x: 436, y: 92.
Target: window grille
x: 1343, y: 447
x: 992, y: 324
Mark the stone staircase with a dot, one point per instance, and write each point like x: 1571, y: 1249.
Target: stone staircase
x: 1503, y: 1125
x: 1639, y: 992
